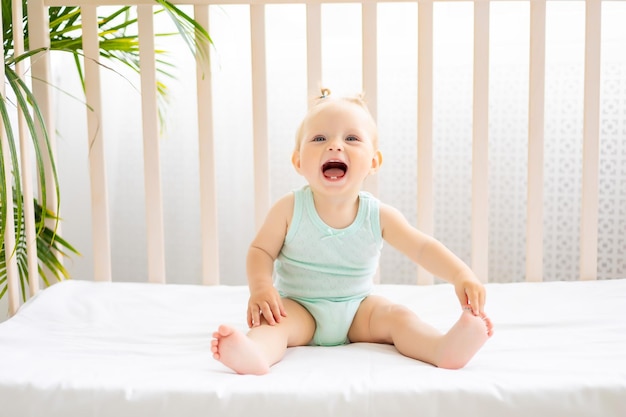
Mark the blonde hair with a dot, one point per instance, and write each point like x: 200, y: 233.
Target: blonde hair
x: 358, y: 99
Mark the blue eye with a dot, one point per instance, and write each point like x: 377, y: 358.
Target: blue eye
x: 319, y: 139
x: 352, y: 139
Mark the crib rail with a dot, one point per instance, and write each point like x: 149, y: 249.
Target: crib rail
x: 425, y: 212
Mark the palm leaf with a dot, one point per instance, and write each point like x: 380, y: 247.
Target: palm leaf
x: 118, y: 44
x: 6, y: 122
x: 49, y: 246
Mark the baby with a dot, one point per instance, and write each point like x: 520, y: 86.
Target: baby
x: 310, y: 267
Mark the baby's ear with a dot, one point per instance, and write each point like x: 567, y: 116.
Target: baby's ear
x: 295, y: 160
x: 377, y: 161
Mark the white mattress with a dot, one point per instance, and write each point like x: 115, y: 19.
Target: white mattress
x: 124, y: 349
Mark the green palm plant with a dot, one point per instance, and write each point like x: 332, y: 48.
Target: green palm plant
x: 118, y: 44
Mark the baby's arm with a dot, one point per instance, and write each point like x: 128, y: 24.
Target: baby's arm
x: 264, y: 299
x: 433, y: 256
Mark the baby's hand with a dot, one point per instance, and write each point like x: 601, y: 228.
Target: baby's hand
x: 471, y: 293
x: 266, y: 302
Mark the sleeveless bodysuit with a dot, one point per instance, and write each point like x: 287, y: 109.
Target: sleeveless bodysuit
x: 329, y: 271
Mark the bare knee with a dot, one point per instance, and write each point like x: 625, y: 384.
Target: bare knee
x: 300, y: 322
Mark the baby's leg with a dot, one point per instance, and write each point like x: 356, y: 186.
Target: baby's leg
x: 264, y: 345
x: 380, y: 321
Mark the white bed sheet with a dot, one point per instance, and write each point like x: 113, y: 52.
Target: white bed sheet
x: 125, y: 349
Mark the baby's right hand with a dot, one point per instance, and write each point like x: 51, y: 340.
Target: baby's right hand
x: 266, y: 302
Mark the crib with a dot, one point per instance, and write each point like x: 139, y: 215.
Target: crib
x: 97, y: 345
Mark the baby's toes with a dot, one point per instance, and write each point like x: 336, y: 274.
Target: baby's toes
x: 489, y: 325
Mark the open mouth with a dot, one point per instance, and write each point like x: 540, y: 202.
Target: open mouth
x: 334, y: 169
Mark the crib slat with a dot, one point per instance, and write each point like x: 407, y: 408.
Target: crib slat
x: 480, y: 160
x: 25, y: 161
x: 534, y: 222
x: 38, y: 23
x: 425, y: 211
x: 259, y: 114
x: 9, y: 229
x: 370, y: 55
x: 313, y: 48
x: 152, y: 169
x: 591, y: 143
x: 208, y: 191
x: 369, y: 31
x: 95, y: 127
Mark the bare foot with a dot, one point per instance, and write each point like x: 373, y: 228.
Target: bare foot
x: 235, y: 350
x: 463, y: 340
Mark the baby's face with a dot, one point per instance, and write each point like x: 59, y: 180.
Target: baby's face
x: 337, y: 150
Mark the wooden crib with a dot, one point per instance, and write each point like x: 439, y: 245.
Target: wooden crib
x: 100, y: 347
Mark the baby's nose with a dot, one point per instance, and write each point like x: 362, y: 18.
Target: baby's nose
x: 335, y: 145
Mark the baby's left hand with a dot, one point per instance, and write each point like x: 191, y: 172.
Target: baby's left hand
x: 471, y: 293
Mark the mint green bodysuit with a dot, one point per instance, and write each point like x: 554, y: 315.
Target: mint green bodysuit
x: 329, y: 271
